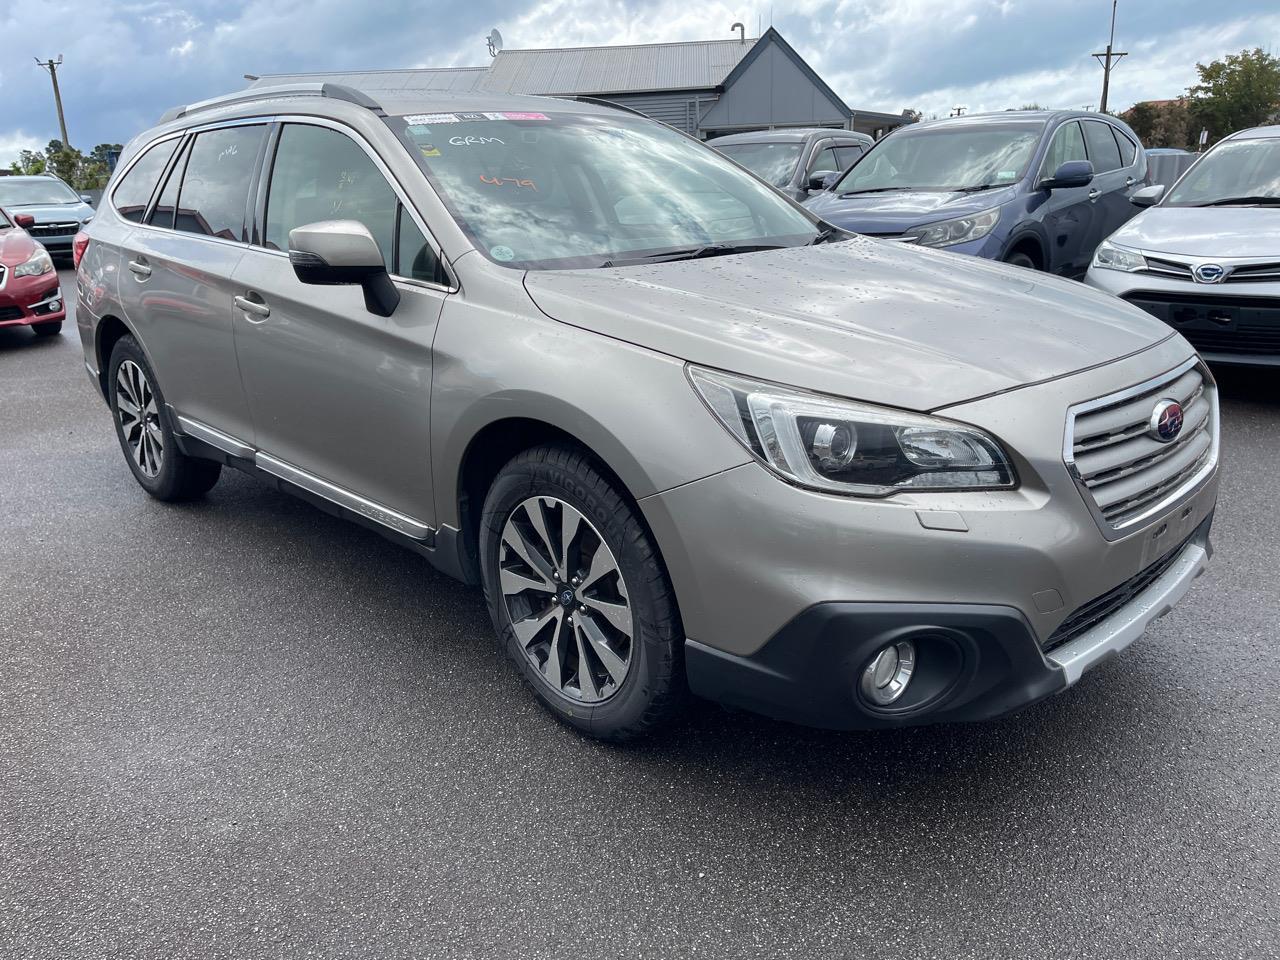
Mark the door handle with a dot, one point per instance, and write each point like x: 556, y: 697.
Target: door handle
x: 139, y: 269
x: 1094, y: 194
x: 1129, y: 181
x: 255, y: 309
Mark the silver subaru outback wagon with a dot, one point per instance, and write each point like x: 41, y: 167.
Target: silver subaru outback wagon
x: 686, y: 436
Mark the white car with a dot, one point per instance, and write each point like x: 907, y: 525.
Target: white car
x: 1205, y: 258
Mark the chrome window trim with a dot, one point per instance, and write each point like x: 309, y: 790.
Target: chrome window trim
x: 1185, y: 490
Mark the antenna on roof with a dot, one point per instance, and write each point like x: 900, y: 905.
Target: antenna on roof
x: 742, y: 32
x: 494, y: 40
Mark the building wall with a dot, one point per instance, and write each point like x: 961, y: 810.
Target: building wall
x: 680, y: 108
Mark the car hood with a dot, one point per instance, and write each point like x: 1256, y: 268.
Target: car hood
x: 52, y: 212
x: 895, y: 212
x: 16, y: 246
x: 866, y: 319
x: 1205, y: 231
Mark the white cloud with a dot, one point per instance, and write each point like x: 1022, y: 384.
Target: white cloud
x: 13, y: 142
x: 184, y: 48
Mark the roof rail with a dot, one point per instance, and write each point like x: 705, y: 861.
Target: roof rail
x: 334, y: 91
x: 602, y: 102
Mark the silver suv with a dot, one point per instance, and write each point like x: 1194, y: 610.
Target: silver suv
x: 686, y: 436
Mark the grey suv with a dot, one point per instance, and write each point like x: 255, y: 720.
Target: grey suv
x: 686, y: 436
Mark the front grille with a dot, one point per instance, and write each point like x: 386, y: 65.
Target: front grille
x: 1217, y: 322
x: 1254, y: 273
x: 1167, y: 268
x: 10, y: 313
x: 1125, y: 471
x: 54, y: 230
x: 1098, y: 609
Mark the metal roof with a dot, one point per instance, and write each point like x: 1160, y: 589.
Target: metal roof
x: 401, y: 82
x: 700, y: 64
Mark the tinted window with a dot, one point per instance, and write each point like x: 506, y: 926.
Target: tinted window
x: 215, y: 187
x: 414, y: 256
x: 162, y: 213
x: 1102, y: 146
x: 1068, y: 144
x: 847, y: 155
x: 1128, y: 149
x: 321, y: 174
x: 135, y: 188
x: 824, y: 161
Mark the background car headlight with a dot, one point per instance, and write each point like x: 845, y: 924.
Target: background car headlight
x: 1108, y: 256
x: 944, y: 233
x: 847, y: 447
x: 39, y: 264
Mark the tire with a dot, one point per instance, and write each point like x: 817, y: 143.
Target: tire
x: 148, y: 443
x: 614, y: 700
x: 47, y: 329
x: 1020, y: 259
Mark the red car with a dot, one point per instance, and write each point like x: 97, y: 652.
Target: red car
x: 29, y: 290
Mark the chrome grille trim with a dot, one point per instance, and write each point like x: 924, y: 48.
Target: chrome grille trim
x: 1253, y: 273
x: 1167, y: 268
x: 1125, y: 476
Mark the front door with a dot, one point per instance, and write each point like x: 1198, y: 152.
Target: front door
x: 1069, y: 215
x: 337, y: 393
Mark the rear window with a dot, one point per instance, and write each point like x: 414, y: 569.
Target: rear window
x: 135, y: 188
x: 215, y: 187
x: 1102, y: 146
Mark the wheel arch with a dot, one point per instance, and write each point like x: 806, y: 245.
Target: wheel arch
x: 110, y: 330
x: 1032, y: 245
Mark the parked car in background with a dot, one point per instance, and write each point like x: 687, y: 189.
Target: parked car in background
x: 1166, y: 164
x: 798, y: 161
x: 1033, y: 188
x: 1205, y: 258
x: 57, y: 211
x: 685, y: 436
x: 29, y: 290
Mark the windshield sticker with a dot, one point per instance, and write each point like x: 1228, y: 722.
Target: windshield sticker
x: 504, y: 254
x: 429, y: 150
x: 499, y: 181
x: 426, y: 118
x: 1007, y: 175
x: 469, y: 141
x: 525, y: 116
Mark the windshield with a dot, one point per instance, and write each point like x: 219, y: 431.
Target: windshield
x: 537, y: 190
x: 16, y: 193
x: 946, y: 158
x: 1245, y: 170
x: 771, y: 162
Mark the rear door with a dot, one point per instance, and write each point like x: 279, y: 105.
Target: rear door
x: 176, y: 287
x: 1112, y: 181
x: 336, y: 392
x: 1068, y: 216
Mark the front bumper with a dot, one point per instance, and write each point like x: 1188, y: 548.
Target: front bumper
x: 769, y: 575
x: 30, y: 300
x: 1226, y: 322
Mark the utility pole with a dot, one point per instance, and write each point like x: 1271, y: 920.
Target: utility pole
x: 1107, y: 58
x: 52, y: 66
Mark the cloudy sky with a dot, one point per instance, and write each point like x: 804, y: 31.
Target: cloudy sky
x: 128, y: 60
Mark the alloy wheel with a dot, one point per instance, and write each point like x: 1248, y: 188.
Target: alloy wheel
x: 139, y: 418
x: 567, y: 600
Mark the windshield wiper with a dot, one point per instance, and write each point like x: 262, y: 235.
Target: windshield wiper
x: 1241, y: 201
x: 825, y: 235
x: 693, y: 253
x: 850, y: 193
x: 977, y: 187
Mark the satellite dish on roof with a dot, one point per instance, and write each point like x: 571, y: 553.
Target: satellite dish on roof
x: 494, y: 40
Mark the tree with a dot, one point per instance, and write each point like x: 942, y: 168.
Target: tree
x: 1161, y: 123
x: 29, y: 163
x: 1241, y: 90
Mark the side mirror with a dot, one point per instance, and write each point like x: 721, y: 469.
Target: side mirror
x: 822, y: 179
x: 1073, y: 173
x: 1147, y: 196
x: 24, y: 220
x: 87, y: 199
x: 333, y: 252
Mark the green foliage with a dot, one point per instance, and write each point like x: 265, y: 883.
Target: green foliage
x: 29, y: 163
x: 1166, y: 124
x: 1241, y: 90
x: 69, y: 164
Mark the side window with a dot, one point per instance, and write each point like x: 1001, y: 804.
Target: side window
x: 215, y: 186
x: 321, y: 174
x: 1102, y: 146
x: 824, y: 161
x: 848, y: 154
x: 1128, y: 149
x: 414, y: 257
x: 1068, y: 144
x: 135, y: 188
x: 167, y: 205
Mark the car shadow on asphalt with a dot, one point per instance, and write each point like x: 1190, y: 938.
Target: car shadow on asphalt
x: 24, y: 338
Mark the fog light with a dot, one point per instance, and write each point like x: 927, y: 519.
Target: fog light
x: 886, y: 677
x: 55, y: 306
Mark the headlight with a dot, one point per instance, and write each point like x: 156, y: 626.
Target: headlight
x: 1108, y: 256
x: 946, y: 233
x: 847, y: 447
x: 39, y: 264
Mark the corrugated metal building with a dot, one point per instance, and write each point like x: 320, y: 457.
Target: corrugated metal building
x: 705, y: 87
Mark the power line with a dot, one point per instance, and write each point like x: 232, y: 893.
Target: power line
x: 1106, y: 60
x: 52, y: 66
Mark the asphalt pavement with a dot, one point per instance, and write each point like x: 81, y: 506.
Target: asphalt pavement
x: 242, y: 728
